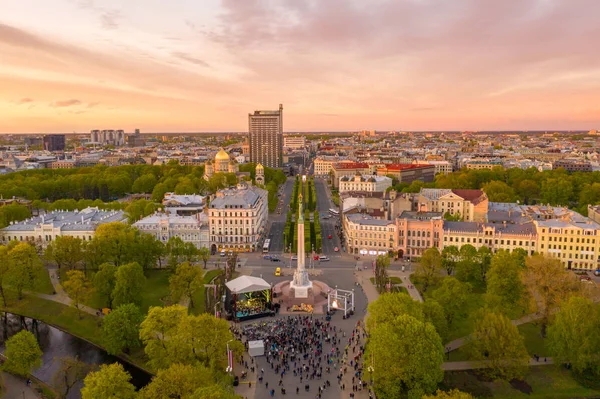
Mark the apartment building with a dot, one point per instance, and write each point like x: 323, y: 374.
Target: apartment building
x: 238, y: 218
x: 163, y: 226
x: 495, y: 236
x: 349, y: 169
x: 407, y: 173
x: 418, y: 231
x: 366, y: 235
x: 265, y: 137
x: 358, y: 182
x: 294, y: 142
x: 470, y: 205
x: 324, y: 164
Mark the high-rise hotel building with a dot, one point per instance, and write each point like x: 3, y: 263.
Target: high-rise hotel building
x: 265, y: 137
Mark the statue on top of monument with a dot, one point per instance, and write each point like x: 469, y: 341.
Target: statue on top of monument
x: 300, y: 209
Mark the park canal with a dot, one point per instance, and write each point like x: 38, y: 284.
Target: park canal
x: 57, y: 344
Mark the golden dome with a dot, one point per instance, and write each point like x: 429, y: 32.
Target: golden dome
x: 222, y: 156
x: 259, y: 166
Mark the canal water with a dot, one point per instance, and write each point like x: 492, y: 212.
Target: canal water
x: 56, y: 344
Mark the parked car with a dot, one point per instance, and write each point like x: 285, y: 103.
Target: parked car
x: 275, y: 260
x: 323, y: 258
x: 336, y: 249
x: 267, y: 257
x: 294, y: 257
x: 278, y: 272
x: 222, y: 253
x: 329, y: 236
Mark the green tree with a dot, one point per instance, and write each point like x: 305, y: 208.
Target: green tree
x: 158, y: 332
x: 528, y: 190
x: 450, y: 257
x: 457, y: 217
x: 505, y: 289
x: 13, y: 213
x: 139, y: 209
x: 498, y: 191
x: 186, y: 280
x: 120, y: 329
x: 129, y: 282
x: 65, y: 251
x: 116, y: 241
x: 4, y: 271
x: 388, y: 306
x: 204, y: 255
x: 549, y: 284
x: 214, y: 391
x: 25, y: 267
x: 144, y: 184
x: 453, y: 394
x: 573, y: 337
x: 104, y: 282
x: 413, y: 367
x: 159, y: 191
x: 452, y: 295
x: 70, y: 372
x: 148, y: 250
x: 429, y: 268
x: 382, y: 263
x: 557, y: 191
x: 78, y: 288
x: 497, y: 342
x: 434, y: 313
x: 178, y: 381
x: 467, y: 268
x: 22, y: 353
x: 111, y: 381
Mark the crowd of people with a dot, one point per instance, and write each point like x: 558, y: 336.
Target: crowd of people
x: 307, y: 353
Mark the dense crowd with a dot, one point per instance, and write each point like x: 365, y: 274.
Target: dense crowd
x: 307, y: 352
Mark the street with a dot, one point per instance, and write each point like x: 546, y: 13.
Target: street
x: 278, y: 221
x: 327, y: 225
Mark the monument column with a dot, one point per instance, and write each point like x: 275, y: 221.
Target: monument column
x: 301, y: 252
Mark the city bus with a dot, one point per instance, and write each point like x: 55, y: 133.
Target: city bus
x: 334, y: 212
x: 266, y: 246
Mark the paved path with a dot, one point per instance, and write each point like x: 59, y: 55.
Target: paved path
x: 16, y: 388
x: 61, y: 296
x: 362, y: 277
x: 469, y: 365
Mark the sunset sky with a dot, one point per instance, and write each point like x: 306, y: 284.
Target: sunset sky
x: 202, y: 65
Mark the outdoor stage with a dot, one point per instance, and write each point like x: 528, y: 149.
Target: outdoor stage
x: 249, y: 298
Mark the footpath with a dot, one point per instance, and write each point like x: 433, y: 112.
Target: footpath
x: 61, y: 296
x: 17, y: 388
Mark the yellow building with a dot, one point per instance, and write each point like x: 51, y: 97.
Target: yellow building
x: 573, y: 239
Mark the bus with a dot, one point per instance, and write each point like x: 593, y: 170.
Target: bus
x: 334, y: 212
x: 266, y: 246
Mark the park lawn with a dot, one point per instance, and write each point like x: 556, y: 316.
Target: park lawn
x: 67, y: 318
x: 535, y: 344
x: 156, y: 289
x: 44, y: 285
x: 546, y: 382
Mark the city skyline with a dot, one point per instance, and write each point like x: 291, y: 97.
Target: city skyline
x: 336, y: 65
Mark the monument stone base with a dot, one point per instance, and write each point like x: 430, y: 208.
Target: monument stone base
x: 301, y: 294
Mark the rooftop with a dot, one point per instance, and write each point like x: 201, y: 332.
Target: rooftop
x: 367, y: 220
x: 86, y: 219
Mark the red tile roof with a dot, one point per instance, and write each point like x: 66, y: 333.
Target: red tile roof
x: 474, y: 196
x: 405, y: 166
x: 350, y: 165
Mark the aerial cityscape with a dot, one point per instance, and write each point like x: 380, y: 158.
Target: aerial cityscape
x: 315, y: 199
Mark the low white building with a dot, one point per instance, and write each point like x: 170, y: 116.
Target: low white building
x: 45, y: 228
x: 183, y: 205
x: 163, y: 226
x: 371, y: 183
x: 237, y: 218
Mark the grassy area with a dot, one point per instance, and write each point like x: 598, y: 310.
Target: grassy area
x: 64, y: 317
x: 534, y: 342
x: 544, y: 382
x: 156, y: 289
x: 44, y: 285
x: 200, y: 296
x: 393, y: 281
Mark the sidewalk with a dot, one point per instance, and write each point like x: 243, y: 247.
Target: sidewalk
x: 469, y: 365
x: 16, y: 388
x: 61, y: 296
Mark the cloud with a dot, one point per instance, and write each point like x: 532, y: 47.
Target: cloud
x: 65, y: 103
x: 25, y: 100
x: 189, y: 58
x: 109, y: 19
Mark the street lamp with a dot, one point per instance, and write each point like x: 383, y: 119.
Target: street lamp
x: 216, y: 304
x: 229, y: 368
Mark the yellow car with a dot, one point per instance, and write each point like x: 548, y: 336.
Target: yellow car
x: 278, y: 271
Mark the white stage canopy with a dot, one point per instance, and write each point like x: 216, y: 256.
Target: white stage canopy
x: 244, y: 284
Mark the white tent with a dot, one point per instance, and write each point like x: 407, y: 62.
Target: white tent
x: 256, y: 348
x: 244, y: 284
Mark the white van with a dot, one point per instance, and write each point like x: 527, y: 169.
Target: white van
x: 223, y: 253
x: 323, y: 258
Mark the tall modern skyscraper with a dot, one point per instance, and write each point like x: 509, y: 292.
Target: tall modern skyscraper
x: 265, y: 137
